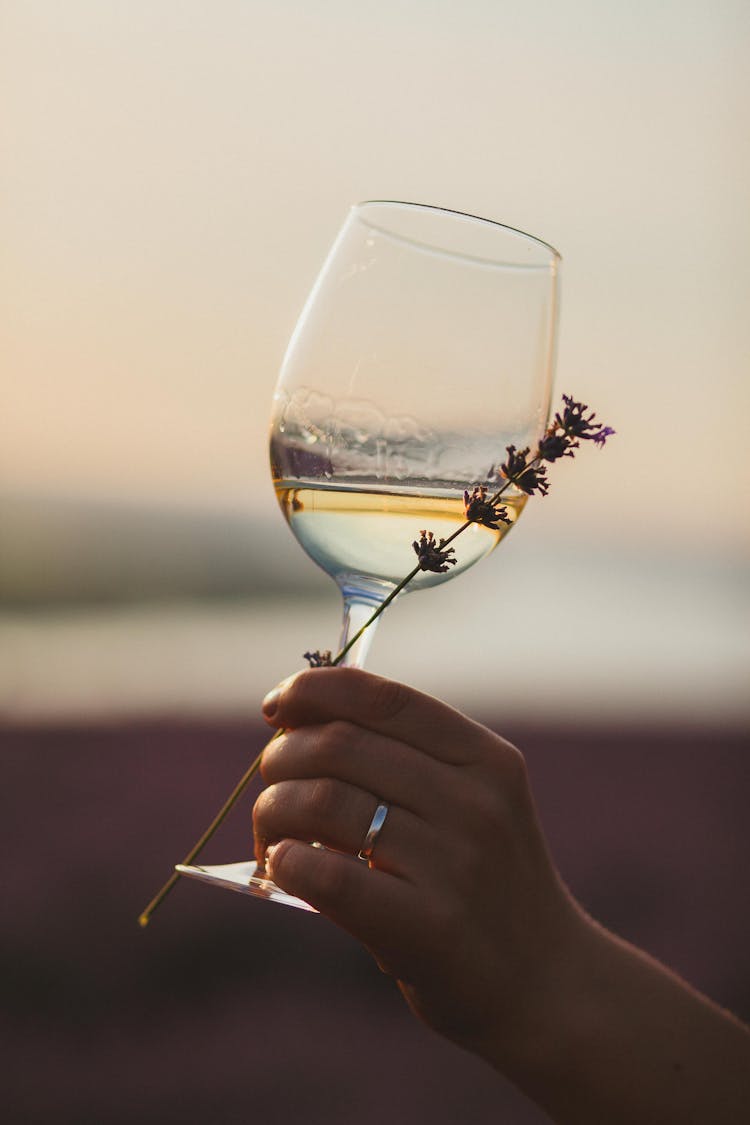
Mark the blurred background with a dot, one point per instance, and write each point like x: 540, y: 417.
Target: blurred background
x: 172, y: 176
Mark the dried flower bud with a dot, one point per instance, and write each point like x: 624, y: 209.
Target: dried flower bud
x: 432, y: 555
x: 319, y: 659
x: 524, y: 474
x: 479, y: 509
x: 575, y: 424
x: 554, y: 445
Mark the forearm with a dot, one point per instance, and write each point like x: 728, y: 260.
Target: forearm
x: 622, y: 1040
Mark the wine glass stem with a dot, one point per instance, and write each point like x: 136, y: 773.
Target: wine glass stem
x: 358, y: 609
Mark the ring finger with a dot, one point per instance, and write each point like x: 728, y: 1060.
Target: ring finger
x: 338, y: 815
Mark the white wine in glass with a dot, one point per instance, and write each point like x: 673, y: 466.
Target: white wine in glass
x: 425, y: 348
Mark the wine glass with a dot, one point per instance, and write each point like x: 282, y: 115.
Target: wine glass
x: 425, y: 348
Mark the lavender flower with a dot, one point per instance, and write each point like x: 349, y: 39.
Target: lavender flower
x: 481, y: 510
x: 433, y: 555
x: 319, y: 659
x: 571, y: 427
x: 525, y: 474
x: 554, y: 445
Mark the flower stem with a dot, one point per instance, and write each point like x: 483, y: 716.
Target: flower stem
x: 239, y: 789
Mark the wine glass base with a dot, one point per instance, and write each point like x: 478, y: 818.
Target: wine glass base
x: 242, y: 877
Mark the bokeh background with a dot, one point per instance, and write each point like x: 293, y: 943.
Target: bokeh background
x: 172, y: 175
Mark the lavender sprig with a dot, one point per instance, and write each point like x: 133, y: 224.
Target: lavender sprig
x: 569, y: 427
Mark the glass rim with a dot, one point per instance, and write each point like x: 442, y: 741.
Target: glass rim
x: 437, y: 209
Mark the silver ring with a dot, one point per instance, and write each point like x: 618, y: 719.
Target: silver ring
x: 376, y: 827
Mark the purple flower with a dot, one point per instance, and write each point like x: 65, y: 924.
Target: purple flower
x: 600, y: 438
x: 319, y: 659
x: 554, y: 445
x: 576, y: 424
x: 573, y: 419
x: 526, y: 475
x: 479, y: 509
x: 569, y: 428
x: 432, y: 555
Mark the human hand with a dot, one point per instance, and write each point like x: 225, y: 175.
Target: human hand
x: 460, y: 902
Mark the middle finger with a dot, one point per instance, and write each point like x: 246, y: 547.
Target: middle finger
x: 397, y: 773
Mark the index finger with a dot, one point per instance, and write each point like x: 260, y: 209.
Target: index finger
x: 323, y: 695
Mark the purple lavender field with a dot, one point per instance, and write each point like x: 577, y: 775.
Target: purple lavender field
x: 228, y: 1010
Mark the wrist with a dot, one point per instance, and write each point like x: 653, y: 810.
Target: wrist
x: 553, y: 1008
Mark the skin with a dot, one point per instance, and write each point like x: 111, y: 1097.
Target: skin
x: 462, y: 905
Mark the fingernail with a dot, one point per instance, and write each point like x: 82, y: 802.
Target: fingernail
x: 270, y: 852
x: 270, y: 704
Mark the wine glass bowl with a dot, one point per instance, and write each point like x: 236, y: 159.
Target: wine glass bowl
x: 426, y: 347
